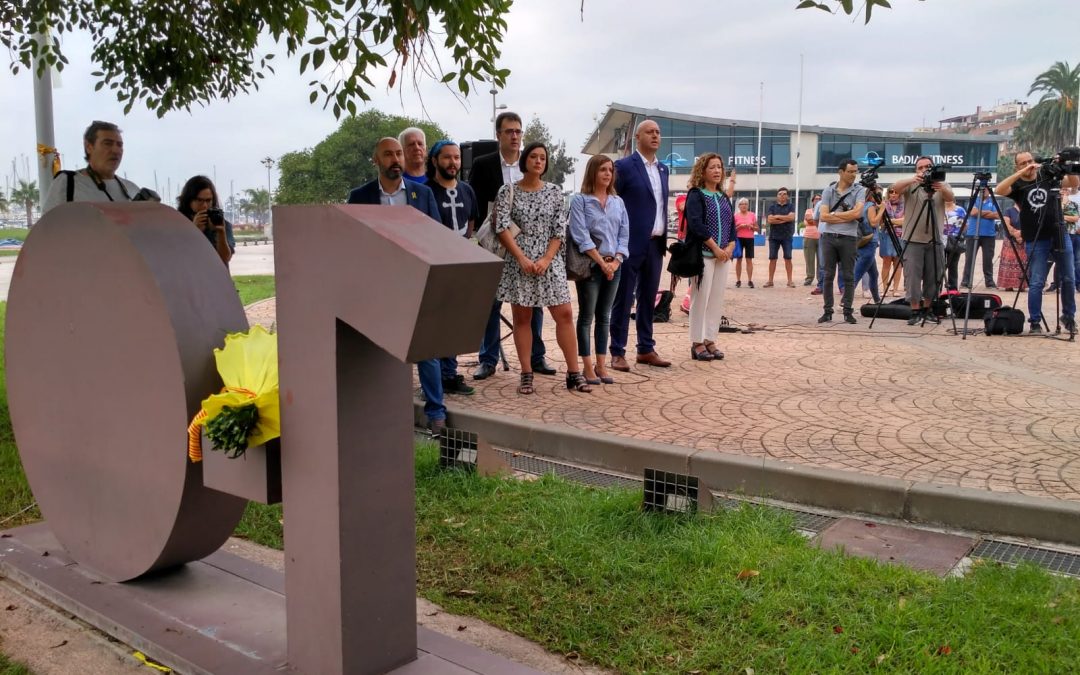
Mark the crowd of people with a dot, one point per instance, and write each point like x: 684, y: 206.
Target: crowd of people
x: 619, y: 222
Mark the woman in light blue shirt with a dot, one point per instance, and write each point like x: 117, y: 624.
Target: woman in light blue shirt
x: 600, y: 228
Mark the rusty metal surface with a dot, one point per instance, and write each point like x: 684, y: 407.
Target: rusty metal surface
x: 113, y: 315
x: 361, y: 291
x: 921, y: 549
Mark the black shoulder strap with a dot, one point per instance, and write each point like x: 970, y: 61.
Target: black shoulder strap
x: 70, y: 184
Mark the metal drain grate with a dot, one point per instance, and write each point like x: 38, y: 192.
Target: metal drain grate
x: 1054, y: 561
x: 539, y: 466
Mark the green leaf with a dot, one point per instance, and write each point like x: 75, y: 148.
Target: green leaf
x: 317, y: 58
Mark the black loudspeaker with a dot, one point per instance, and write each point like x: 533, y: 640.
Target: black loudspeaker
x: 470, y: 150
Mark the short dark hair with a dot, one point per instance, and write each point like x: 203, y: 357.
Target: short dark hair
x: 503, y: 117
x: 191, y: 190
x: 783, y: 189
x: 844, y: 164
x: 922, y: 157
x: 90, y: 135
x: 525, y: 155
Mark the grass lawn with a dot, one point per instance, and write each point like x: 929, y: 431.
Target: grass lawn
x: 254, y: 287
x: 585, y: 573
x: 14, y: 233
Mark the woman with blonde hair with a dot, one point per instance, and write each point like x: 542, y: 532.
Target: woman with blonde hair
x: 709, y: 220
x: 600, y: 228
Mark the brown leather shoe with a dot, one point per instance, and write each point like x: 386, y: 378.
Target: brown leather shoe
x: 619, y: 363
x: 653, y: 359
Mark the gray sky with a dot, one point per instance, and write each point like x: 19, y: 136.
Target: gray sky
x: 702, y: 57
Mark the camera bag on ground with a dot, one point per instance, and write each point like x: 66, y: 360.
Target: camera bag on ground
x: 662, y: 311
x: 1004, y: 321
x: 982, y: 305
x: 897, y: 309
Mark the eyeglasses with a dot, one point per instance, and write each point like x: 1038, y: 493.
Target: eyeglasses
x: 200, y: 200
x: 511, y: 132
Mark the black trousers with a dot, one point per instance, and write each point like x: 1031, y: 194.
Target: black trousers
x: 986, y: 252
x: 838, y: 249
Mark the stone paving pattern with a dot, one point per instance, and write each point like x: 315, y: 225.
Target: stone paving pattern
x: 920, y: 404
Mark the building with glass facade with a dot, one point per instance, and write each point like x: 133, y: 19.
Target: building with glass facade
x: 815, y: 154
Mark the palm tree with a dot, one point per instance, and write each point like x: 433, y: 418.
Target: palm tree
x: 5, y: 205
x: 1051, y: 124
x: 27, y: 193
x: 257, y: 202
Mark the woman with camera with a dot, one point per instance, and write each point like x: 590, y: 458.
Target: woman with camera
x: 199, y: 202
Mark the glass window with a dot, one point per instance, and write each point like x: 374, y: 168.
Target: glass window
x: 682, y: 131
x: 744, y: 156
x: 681, y: 159
x: 705, y: 138
x: 781, y: 155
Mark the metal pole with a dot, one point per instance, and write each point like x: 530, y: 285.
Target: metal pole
x: 43, y: 118
x: 268, y: 162
x: 798, y: 142
x: 757, y: 186
x: 1076, y: 107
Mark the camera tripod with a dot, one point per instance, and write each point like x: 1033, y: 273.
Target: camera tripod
x: 901, y: 246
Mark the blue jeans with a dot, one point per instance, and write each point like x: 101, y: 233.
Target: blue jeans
x: 596, y: 295
x: 431, y: 384
x: 866, y: 263
x: 448, y: 367
x: 1076, y: 261
x: 1039, y: 254
x: 489, y: 346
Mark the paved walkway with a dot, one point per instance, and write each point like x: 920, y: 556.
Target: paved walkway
x: 996, y: 413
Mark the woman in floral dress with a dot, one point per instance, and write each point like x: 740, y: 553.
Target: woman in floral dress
x: 535, y: 271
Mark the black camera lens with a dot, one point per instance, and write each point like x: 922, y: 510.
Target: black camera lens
x: 216, y: 216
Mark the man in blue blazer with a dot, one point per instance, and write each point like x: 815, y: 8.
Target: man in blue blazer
x: 391, y: 189
x: 642, y: 182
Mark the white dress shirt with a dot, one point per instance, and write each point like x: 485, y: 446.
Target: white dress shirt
x: 395, y: 198
x: 653, y: 170
x: 511, y: 172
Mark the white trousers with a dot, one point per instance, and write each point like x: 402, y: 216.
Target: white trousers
x: 707, y: 301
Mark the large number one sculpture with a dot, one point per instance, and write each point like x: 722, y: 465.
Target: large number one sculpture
x: 113, y: 315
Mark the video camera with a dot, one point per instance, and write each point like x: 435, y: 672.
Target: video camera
x: 935, y: 174
x: 1055, y: 168
x: 869, y: 179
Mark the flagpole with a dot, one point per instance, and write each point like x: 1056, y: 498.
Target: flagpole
x: 798, y: 142
x: 757, y: 186
x: 43, y: 120
x: 1077, y: 108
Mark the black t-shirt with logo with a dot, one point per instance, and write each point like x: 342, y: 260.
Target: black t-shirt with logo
x: 1038, y: 206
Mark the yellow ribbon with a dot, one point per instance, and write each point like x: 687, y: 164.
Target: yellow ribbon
x: 44, y: 150
x: 150, y: 663
x: 194, y: 430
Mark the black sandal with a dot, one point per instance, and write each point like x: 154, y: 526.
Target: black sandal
x: 577, y: 382
x: 526, y: 386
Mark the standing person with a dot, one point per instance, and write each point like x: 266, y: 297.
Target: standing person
x: 1040, y: 223
x: 866, y: 255
x: 810, y: 236
x: 489, y: 173
x: 642, y: 182
x: 457, y: 209
x: 199, y: 202
x: 103, y: 147
x: 600, y: 228
x: 924, y: 255
x: 890, y: 257
x: 391, y: 189
x: 709, y: 218
x: 414, y: 144
x: 841, y: 209
x: 535, y: 271
x: 781, y: 220
x: 745, y: 229
x: 1013, y: 262
x: 1071, y: 212
x: 981, y: 228
x: 954, y: 235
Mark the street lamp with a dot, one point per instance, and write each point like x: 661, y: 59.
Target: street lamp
x: 495, y: 108
x: 268, y: 162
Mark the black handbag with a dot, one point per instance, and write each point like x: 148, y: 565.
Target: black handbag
x: 578, y: 265
x: 1004, y: 321
x: 686, y: 259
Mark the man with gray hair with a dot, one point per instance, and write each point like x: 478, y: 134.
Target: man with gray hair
x: 103, y: 147
x: 414, y: 142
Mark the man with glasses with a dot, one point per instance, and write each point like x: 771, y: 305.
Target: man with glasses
x: 1041, y: 223
x: 489, y: 173
x: 841, y: 210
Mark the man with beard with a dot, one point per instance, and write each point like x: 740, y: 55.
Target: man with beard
x: 391, y: 189
x: 457, y: 206
x: 414, y: 144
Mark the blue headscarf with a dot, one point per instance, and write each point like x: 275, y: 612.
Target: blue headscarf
x: 434, y: 152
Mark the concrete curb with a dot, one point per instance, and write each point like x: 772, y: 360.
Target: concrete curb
x: 942, y: 505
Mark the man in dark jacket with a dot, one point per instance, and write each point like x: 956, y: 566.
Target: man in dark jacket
x: 489, y: 173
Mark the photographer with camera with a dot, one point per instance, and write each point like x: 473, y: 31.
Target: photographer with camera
x: 199, y: 202
x: 1032, y: 187
x: 103, y: 147
x: 924, y: 196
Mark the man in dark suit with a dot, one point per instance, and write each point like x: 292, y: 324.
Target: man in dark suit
x: 489, y: 173
x: 642, y: 182
x: 391, y: 189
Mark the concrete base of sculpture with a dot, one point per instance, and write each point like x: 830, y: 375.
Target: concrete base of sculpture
x: 223, y: 614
